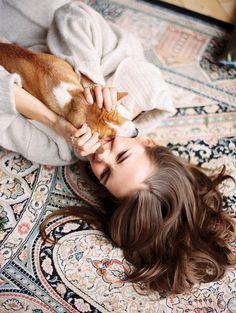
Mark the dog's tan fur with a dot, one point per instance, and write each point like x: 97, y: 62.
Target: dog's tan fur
x: 41, y: 73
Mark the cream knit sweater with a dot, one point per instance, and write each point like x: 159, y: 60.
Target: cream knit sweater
x: 100, y: 50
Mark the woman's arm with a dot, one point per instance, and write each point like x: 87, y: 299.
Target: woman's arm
x: 32, y: 108
x: 84, y: 140
x: 27, y: 137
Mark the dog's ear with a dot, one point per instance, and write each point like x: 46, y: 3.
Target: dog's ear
x: 121, y: 95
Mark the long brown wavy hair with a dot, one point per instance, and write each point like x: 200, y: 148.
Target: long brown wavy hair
x: 174, y: 232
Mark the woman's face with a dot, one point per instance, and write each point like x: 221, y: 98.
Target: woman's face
x: 124, y: 164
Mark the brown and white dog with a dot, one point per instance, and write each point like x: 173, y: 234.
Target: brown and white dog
x: 54, y: 82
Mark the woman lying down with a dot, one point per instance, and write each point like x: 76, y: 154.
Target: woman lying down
x: 166, y: 215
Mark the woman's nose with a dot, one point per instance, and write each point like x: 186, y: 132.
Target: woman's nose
x: 98, y: 157
x: 101, y: 157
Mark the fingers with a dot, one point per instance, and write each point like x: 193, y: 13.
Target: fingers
x: 91, y: 145
x: 84, y: 141
x: 84, y: 138
x: 99, y: 96
x: 88, y: 95
x: 113, y: 93
x: 105, y: 97
x: 109, y: 98
x: 82, y: 130
x: 107, y: 101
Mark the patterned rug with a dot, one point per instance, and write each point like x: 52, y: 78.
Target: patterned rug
x: 86, y: 273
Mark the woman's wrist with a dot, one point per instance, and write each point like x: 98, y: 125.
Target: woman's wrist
x: 32, y: 108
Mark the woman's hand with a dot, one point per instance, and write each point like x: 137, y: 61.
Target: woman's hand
x: 104, y: 96
x: 63, y: 127
x: 30, y: 107
x: 84, y: 141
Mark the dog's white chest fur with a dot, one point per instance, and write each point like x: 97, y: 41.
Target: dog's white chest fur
x: 61, y: 93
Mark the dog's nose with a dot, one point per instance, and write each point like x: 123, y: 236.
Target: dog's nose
x: 135, y: 133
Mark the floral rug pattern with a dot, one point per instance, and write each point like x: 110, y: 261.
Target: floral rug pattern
x: 85, y: 272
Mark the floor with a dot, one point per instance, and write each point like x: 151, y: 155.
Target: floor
x: 224, y: 10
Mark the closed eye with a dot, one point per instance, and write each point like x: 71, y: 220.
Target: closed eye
x: 105, y: 175
x: 119, y: 159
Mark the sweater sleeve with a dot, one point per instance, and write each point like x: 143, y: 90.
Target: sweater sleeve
x: 94, y: 47
x: 70, y: 37
x: 29, y: 138
x: 7, y: 103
